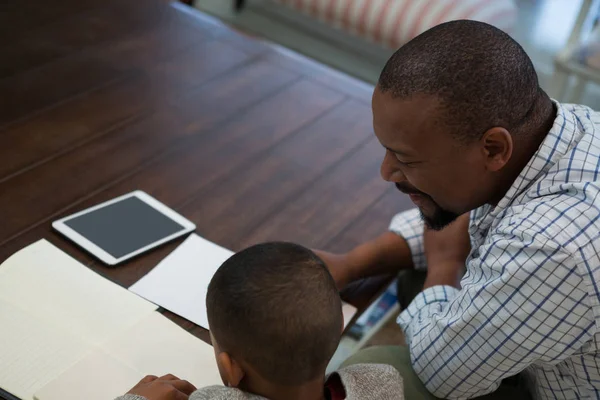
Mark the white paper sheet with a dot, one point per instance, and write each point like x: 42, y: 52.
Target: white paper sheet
x: 56, y: 290
x: 97, y: 376
x: 153, y: 346
x: 53, y: 310
x: 32, y: 354
x: 179, y: 282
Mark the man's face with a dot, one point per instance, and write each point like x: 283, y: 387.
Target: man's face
x: 443, y: 176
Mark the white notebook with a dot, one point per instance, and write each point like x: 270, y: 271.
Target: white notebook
x: 67, y: 333
x: 179, y: 282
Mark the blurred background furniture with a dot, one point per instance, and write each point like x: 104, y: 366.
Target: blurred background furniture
x: 390, y: 23
x: 579, y: 60
x: 356, y: 36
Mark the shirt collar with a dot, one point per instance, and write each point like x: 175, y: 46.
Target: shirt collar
x: 555, y: 145
x: 334, y: 388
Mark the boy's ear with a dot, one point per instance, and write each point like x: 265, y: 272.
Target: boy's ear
x: 232, y: 370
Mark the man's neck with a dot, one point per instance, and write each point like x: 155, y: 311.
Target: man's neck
x: 313, y: 390
x: 526, y: 148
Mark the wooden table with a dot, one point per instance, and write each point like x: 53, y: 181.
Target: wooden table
x: 251, y: 142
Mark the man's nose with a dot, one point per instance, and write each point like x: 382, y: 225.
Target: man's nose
x: 389, y: 169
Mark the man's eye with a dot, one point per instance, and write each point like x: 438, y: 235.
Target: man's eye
x: 404, y: 163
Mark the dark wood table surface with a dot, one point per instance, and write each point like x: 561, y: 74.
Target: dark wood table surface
x: 251, y: 142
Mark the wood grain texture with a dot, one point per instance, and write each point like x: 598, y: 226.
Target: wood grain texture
x: 102, y: 97
x: 331, y: 204
x: 60, y: 79
x: 55, y: 40
x: 78, y: 173
x: 173, y: 177
x: 371, y: 223
x: 71, y: 123
x: 18, y: 16
x: 230, y: 209
x: 318, y: 72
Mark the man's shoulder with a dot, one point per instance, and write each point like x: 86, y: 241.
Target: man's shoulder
x: 375, y: 381
x: 558, y: 198
x: 567, y: 214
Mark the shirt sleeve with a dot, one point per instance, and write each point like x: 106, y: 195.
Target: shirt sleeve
x: 410, y: 226
x: 522, y: 301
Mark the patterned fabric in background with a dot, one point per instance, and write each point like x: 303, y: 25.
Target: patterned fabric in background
x: 392, y: 23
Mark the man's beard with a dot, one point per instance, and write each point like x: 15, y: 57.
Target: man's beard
x: 440, y: 218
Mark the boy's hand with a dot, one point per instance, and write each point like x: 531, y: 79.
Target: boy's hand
x: 167, y: 387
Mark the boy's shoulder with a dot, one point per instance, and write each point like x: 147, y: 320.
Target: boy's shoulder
x: 222, y: 393
x: 371, y: 381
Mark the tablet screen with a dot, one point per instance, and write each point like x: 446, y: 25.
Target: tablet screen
x: 124, y: 227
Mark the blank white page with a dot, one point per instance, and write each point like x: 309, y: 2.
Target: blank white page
x: 32, y: 354
x: 179, y: 282
x: 153, y: 346
x: 157, y: 346
x: 97, y: 376
x: 57, y: 290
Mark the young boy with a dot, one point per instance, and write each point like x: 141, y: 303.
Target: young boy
x: 276, y: 319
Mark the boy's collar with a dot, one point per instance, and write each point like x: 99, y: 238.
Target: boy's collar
x: 334, y: 388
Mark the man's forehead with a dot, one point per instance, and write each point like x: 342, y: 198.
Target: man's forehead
x: 419, y: 105
x: 399, y: 120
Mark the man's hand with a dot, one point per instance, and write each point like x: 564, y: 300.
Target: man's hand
x: 167, y: 387
x: 446, y: 252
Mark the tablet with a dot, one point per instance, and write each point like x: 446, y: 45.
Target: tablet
x: 123, y: 227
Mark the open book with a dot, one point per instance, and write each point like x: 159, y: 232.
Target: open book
x: 67, y: 333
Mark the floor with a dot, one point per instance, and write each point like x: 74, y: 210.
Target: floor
x: 543, y: 28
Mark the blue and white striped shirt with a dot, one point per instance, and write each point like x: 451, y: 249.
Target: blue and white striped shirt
x: 530, y: 299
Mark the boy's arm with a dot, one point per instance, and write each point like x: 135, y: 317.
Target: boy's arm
x: 167, y: 387
x: 400, y: 248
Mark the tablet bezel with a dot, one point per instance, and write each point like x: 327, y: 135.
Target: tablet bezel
x: 101, y: 254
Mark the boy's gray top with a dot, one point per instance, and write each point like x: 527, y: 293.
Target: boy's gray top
x: 361, y: 381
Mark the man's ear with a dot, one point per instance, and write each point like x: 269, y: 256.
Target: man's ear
x: 497, y: 147
x: 232, y: 370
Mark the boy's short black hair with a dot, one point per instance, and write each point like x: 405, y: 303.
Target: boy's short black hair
x: 276, y: 306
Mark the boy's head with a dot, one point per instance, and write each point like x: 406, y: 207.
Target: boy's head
x: 274, y: 311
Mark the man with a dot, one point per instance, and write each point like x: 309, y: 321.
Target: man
x: 471, y: 137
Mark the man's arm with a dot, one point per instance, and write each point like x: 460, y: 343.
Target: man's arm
x: 384, y: 255
x: 399, y: 248
x: 508, y: 315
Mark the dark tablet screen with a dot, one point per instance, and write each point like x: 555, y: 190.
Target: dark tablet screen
x: 124, y: 227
